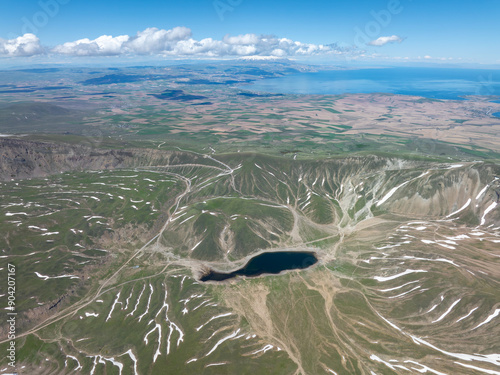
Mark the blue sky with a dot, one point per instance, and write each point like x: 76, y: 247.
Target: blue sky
x: 398, y: 30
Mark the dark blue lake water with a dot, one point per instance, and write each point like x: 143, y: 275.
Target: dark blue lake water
x: 266, y: 263
x: 438, y: 83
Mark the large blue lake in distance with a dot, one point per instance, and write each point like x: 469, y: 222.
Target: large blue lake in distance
x: 437, y: 83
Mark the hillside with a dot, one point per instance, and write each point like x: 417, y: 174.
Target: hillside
x: 406, y: 279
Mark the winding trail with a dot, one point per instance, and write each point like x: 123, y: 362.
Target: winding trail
x: 87, y: 300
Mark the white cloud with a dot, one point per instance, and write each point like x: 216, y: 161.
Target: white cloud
x: 153, y: 40
x: 176, y: 42
x: 25, y: 45
x: 105, y: 45
x: 383, y: 40
x: 246, y: 39
x: 191, y: 47
x: 244, y: 50
x: 278, y: 52
x: 149, y: 41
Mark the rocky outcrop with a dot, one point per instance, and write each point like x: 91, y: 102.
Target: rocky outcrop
x: 26, y: 159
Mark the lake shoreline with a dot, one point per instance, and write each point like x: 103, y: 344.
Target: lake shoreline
x: 425, y: 82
